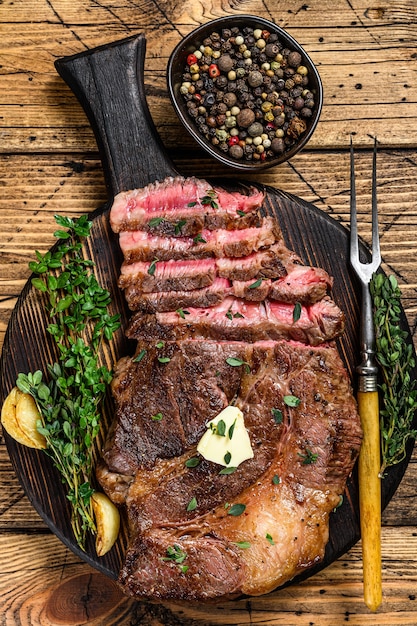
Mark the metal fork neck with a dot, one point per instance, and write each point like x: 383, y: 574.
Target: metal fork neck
x: 367, y: 370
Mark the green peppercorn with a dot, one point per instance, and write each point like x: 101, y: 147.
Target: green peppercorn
x: 221, y: 134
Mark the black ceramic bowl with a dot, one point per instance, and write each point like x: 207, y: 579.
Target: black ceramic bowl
x: 178, y: 63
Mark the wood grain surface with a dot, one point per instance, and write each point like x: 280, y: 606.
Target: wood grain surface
x: 49, y: 163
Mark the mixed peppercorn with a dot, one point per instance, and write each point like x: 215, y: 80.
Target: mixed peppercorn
x: 248, y: 94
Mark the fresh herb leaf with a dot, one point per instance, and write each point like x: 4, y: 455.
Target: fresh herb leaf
x: 229, y: 315
x: 179, y: 226
x: 237, y: 363
x: 276, y: 479
x: 236, y: 509
x: 140, y: 356
x: 192, y: 505
x: 240, y: 213
x: 220, y: 428
x: 210, y: 199
x: 227, y: 470
x: 164, y: 359
x: 158, y: 417
x: 182, y: 313
x: 277, y: 415
x: 199, y: 239
x: 292, y: 401
x: 152, y: 267
x: 227, y: 458
x: 296, y: 314
x: 193, y: 462
x: 269, y: 538
x: 232, y: 429
x: 256, y: 284
x: 394, y: 354
x: 155, y: 221
x: 160, y: 344
x: 309, y: 457
x: 175, y: 554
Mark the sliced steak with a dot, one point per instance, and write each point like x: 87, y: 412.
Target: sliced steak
x: 238, y: 320
x: 268, y: 263
x: 183, y: 207
x: 301, y: 284
x: 167, y: 276
x: 286, y: 498
x: 305, y: 285
x: 140, y: 245
x: 155, y: 301
x: 252, y: 290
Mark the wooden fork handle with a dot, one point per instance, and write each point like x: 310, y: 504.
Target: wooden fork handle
x: 370, y: 498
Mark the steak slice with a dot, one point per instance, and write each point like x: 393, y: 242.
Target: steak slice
x: 251, y: 290
x: 140, y: 245
x: 174, y: 300
x: 268, y: 263
x: 288, y: 489
x: 167, y: 275
x: 183, y: 206
x: 301, y: 284
x: 235, y: 319
x: 307, y: 287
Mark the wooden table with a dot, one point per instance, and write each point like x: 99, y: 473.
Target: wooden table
x: 49, y: 162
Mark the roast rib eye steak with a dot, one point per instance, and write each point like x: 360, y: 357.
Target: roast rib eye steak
x: 252, y: 527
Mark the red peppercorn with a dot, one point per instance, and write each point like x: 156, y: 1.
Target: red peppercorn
x: 214, y: 71
x: 233, y: 140
x: 191, y: 59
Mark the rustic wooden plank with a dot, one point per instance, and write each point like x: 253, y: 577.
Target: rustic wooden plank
x: 365, y: 42
x: 57, y: 588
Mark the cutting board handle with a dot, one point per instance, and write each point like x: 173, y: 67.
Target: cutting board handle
x: 108, y: 82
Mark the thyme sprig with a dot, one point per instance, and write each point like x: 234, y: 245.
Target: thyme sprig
x: 69, y: 400
x: 396, y: 361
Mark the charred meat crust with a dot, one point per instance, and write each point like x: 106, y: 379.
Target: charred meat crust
x: 324, y: 424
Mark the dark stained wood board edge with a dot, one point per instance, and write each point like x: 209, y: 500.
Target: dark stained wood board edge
x: 315, y: 236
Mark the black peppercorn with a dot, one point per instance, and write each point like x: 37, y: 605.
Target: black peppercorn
x: 294, y: 58
x: 271, y: 50
x: 277, y: 145
x: 225, y: 63
x: 236, y: 151
x: 221, y: 82
x: 255, y: 79
x: 229, y: 99
x: 245, y: 118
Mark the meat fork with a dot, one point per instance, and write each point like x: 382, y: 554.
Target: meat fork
x: 367, y: 396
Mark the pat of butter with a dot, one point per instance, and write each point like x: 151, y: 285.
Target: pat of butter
x: 221, y: 448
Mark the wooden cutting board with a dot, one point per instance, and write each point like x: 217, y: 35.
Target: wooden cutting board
x: 108, y: 81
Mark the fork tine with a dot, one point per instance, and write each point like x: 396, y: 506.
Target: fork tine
x: 376, y: 253
x: 364, y: 270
